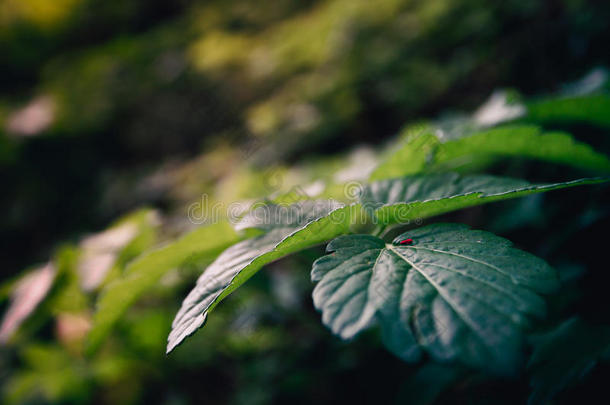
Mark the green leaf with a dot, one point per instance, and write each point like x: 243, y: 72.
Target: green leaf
x: 405, y: 199
x: 144, y: 273
x: 522, y: 141
x: 592, y: 108
x: 565, y: 355
x: 424, y: 151
x: 456, y: 293
x: 241, y: 261
x: 420, y: 141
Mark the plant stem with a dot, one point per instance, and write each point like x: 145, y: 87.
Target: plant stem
x: 378, y: 231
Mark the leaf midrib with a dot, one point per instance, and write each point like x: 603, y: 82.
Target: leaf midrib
x: 472, y: 259
x: 472, y: 325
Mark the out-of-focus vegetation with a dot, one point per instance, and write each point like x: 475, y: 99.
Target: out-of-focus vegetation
x: 136, y: 110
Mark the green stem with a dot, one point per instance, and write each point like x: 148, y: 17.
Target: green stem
x: 378, y: 231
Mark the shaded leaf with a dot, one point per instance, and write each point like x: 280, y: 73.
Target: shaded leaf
x: 565, y: 355
x: 428, y: 383
x: 456, y: 293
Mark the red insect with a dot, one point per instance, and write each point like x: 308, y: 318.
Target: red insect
x: 406, y: 241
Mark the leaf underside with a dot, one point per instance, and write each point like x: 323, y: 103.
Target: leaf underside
x: 456, y: 293
x: 404, y: 199
x: 272, y: 216
x: 241, y: 261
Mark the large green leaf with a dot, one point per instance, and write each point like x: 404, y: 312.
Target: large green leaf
x: 565, y: 355
x: 145, y: 272
x: 424, y: 151
x: 405, y: 199
x: 456, y: 293
x: 241, y: 261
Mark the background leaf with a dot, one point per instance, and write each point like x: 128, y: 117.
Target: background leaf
x: 565, y: 355
x: 144, y: 273
x: 423, y: 150
x: 593, y: 109
x: 411, y: 156
x: 520, y: 141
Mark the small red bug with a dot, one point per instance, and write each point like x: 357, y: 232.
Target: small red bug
x: 406, y: 241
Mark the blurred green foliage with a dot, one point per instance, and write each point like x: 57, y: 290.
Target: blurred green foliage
x: 107, y: 107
